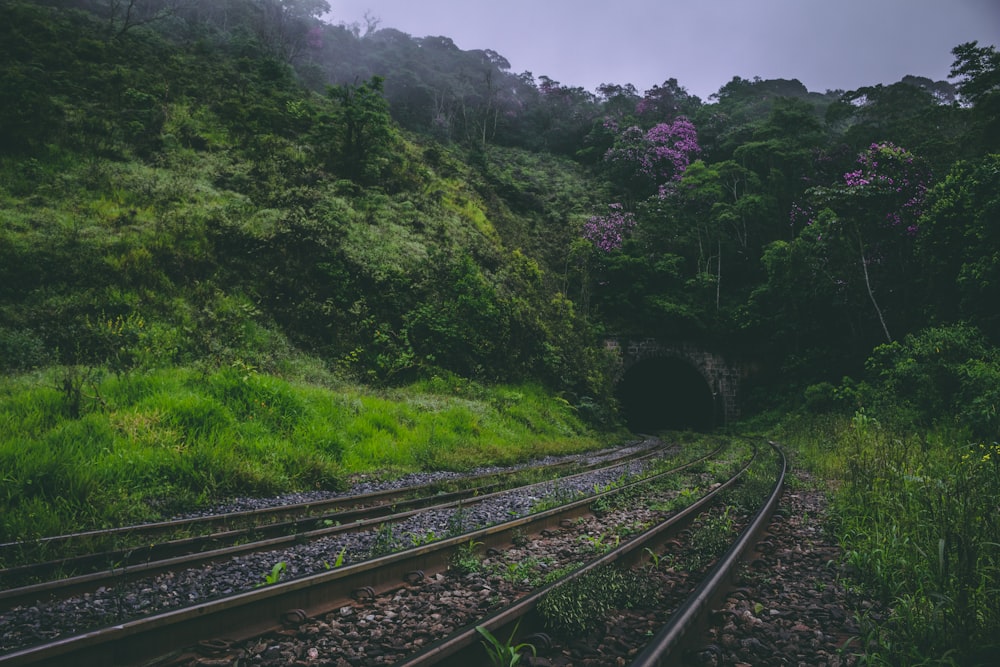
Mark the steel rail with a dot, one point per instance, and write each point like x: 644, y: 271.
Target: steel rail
x: 667, y: 646
x: 227, y: 519
x: 252, y: 613
x: 352, y: 521
x: 462, y: 648
x: 140, y: 557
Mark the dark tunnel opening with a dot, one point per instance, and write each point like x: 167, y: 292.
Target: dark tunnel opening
x: 666, y: 394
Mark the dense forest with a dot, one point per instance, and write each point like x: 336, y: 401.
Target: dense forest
x: 191, y: 181
x: 246, y: 194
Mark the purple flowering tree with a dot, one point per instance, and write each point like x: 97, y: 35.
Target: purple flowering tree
x: 666, y: 101
x: 648, y: 160
x: 893, y: 182
x: 607, y: 232
x: 644, y: 162
x: 670, y: 149
x: 872, y: 215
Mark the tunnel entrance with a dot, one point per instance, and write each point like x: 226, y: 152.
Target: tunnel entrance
x: 666, y: 394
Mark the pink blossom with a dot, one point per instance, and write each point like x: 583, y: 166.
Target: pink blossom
x: 607, y: 232
x: 661, y: 153
x: 314, y: 38
x: 890, y: 173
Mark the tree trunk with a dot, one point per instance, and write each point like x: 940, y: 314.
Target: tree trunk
x: 871, y: 294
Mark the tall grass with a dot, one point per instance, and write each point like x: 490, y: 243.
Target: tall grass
x: 147, y: 445
x: 919, y: 520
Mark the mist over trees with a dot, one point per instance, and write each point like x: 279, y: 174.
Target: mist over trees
x: 246, y: 179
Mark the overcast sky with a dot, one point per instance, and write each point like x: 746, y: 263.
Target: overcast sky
x: 825, y: 44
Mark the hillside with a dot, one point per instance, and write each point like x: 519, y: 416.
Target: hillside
x: 246, y: 251
x: 243, y: 185
x: 204, y: 192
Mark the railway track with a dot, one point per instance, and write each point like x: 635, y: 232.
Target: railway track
x: 85, y: 551
x: 589, y: 535
x: 266, y: 529
x: 111, y: 586
x: 666, y: 636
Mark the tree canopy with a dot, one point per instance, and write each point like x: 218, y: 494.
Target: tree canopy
x: 236, y: 173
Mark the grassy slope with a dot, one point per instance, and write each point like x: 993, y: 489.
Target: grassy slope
x: 190, y: 301
x: 118, y: 262
x: 157, y: 442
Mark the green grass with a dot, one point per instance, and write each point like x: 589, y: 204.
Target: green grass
x: 146, y: 445
x: 916, y: 516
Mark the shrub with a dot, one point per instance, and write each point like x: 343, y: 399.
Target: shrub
x: 941, y: 372
x: 21, y: 350
x: 820, y: 397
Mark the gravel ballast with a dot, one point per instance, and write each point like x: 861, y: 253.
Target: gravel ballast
x: 48, y: 620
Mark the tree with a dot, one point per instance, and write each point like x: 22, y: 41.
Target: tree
x: 619, y: 101
x: 283, y: 25
x: 785, y: 150
x: 666, y: 102
x: 798, y: 320
x: 742, y: 106
x: 715, y: 217
x: 647, y: 166
x: 550, y: 116
x: 957, y: 245
x: 360, y: 133
x: 607, y: 232
x: 941, y: 373
x: 909, y: 113
x: 979, y: 86
x: 644, y: 162
x: 124, y: 15
x: 979, y: 69
x: 873, y: 215
x: 461, y: 324
x: 481, y: 106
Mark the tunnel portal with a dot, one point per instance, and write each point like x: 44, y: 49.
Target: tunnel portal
x: 666, y: 394
x: 674, y: 384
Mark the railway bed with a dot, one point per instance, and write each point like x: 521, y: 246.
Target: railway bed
x: 122, y: 602
x: 418, y: 609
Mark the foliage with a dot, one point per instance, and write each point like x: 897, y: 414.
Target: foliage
x: 465, y: 560
x: 193, y: 170
x: 385, y: 542
x: 947, y: 374
x: 338, y: 561
x: 597, y: 543
x: 530, y: 572
x: 360, y: 138
x: 242, y: 221
x: 917, y: 520
x: 216, y: 217
x: 870, y: 222
x: 643, y: 162
x: 275, y: 575
x: 957, y: 245
x: 160, y: 441
x: 979, y: 70
x: 607, y: 232
x: 710, y: 538
x: 504, y: 654
x: 583, y: 603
